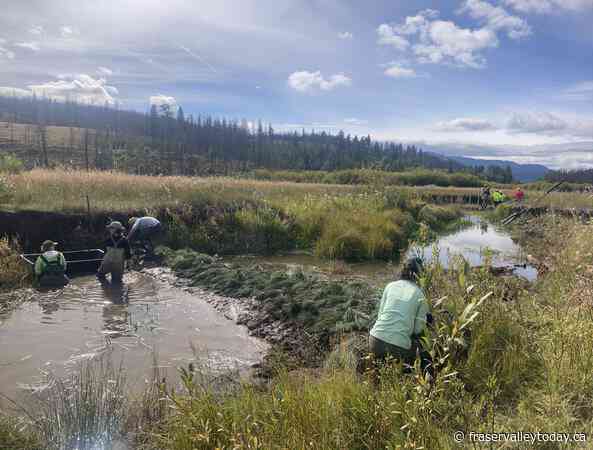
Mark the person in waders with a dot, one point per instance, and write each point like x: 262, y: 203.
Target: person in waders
x: 403, y: 315
x: 117, y: 251
x: 142, y: 231
x: 50, y: 267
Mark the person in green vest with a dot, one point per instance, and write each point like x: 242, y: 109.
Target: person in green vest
x: 498, y: 198
x: 50, y: 266
x: 403, y: 315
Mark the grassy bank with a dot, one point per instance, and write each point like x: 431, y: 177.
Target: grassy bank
x: 507, y: 359
x: 417, y: 177
x: 223, y: 215
x: 523, y: 362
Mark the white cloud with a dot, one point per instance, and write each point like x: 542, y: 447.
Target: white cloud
x: 550, y: 6
x: 81, y: 88
x: 549, y: 124
x: 14, y: 92
x: 104, y: 71
x: 304, y: 81
x: 438, y: 41
x: 496, y: 18
x: 345, y: 35
x: 67, y: 31
x: 387, y: 36
x: 164, y: 102
x: 466, y: 124
x: 446, y: 42
x: 5, y: 53
x: 355, y: 121
x: 33, y: 46
x: 37, y: 30
x: 397, y: 71
x: 435, y: 41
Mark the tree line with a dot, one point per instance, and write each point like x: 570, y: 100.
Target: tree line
x: 164, y: 141
x: 584, y: 176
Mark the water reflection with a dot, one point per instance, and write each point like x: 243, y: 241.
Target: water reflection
x: 476, y: 243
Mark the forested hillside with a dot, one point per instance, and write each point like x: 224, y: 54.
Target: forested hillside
x: 571, y: 176
x: 44, y: 132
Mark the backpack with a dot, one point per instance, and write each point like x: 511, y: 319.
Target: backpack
x: 53, y: 267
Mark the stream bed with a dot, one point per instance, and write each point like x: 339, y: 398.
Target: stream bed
x: 144, y: 318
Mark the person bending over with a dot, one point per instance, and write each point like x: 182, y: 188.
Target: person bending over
x: 403, y: 314
x: 142, y: 231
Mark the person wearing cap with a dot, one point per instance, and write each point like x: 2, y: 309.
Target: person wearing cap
x: 403, y: 315
x: 142, y: 229
x: 117, y: 251
x: 50, y: 266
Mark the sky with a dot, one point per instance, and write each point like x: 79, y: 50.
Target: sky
x: 508, y: 79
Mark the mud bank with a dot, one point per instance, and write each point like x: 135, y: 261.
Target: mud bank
x: 300, y: 313
x: 72, y: 230
x: 260, y: 323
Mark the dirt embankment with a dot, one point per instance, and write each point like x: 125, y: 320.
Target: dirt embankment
x: 72, y: 231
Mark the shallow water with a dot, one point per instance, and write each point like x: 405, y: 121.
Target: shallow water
x: 474, y: 242
x: 470, y: 242
x: 133, y: 322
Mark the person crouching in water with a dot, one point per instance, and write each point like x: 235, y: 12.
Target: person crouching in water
x: 50, y: 267
x: 117, y: 251
x: 403, y: 315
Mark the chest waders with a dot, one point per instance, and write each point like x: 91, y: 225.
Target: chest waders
x: 113, y: 262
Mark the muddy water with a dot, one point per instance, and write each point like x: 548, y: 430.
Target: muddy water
x: 145, y: 316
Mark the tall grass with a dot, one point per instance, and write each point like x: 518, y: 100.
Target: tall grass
x: 85, y: 410
x: 502, y: 363
x: 13, y: 271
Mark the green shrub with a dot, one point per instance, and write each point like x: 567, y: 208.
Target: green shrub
x: 6, y: 189
x: 10, y: 164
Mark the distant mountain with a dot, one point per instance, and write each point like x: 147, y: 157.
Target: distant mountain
x: 521, y: 172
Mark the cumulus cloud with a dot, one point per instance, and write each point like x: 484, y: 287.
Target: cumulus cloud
x: 164, y: 103
x: 466, y: 124
x: 549, y: 124
x: 397, y: 71
x: 387, y: 36
x: 446, y: 42
x: 104, y: 71
x: 304, y: 81
x: 37, y: 30
x: 80, y: 88
x: 496, y: 18
x: 435, y: 41
x: 438, y: 41
x: 33, y: 46
x: 345, y: 35
x: 549, y: 6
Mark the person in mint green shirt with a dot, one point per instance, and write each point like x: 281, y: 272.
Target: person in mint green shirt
x: 403, y: 314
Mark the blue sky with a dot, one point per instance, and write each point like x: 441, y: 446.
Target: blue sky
x: 484, y: 78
